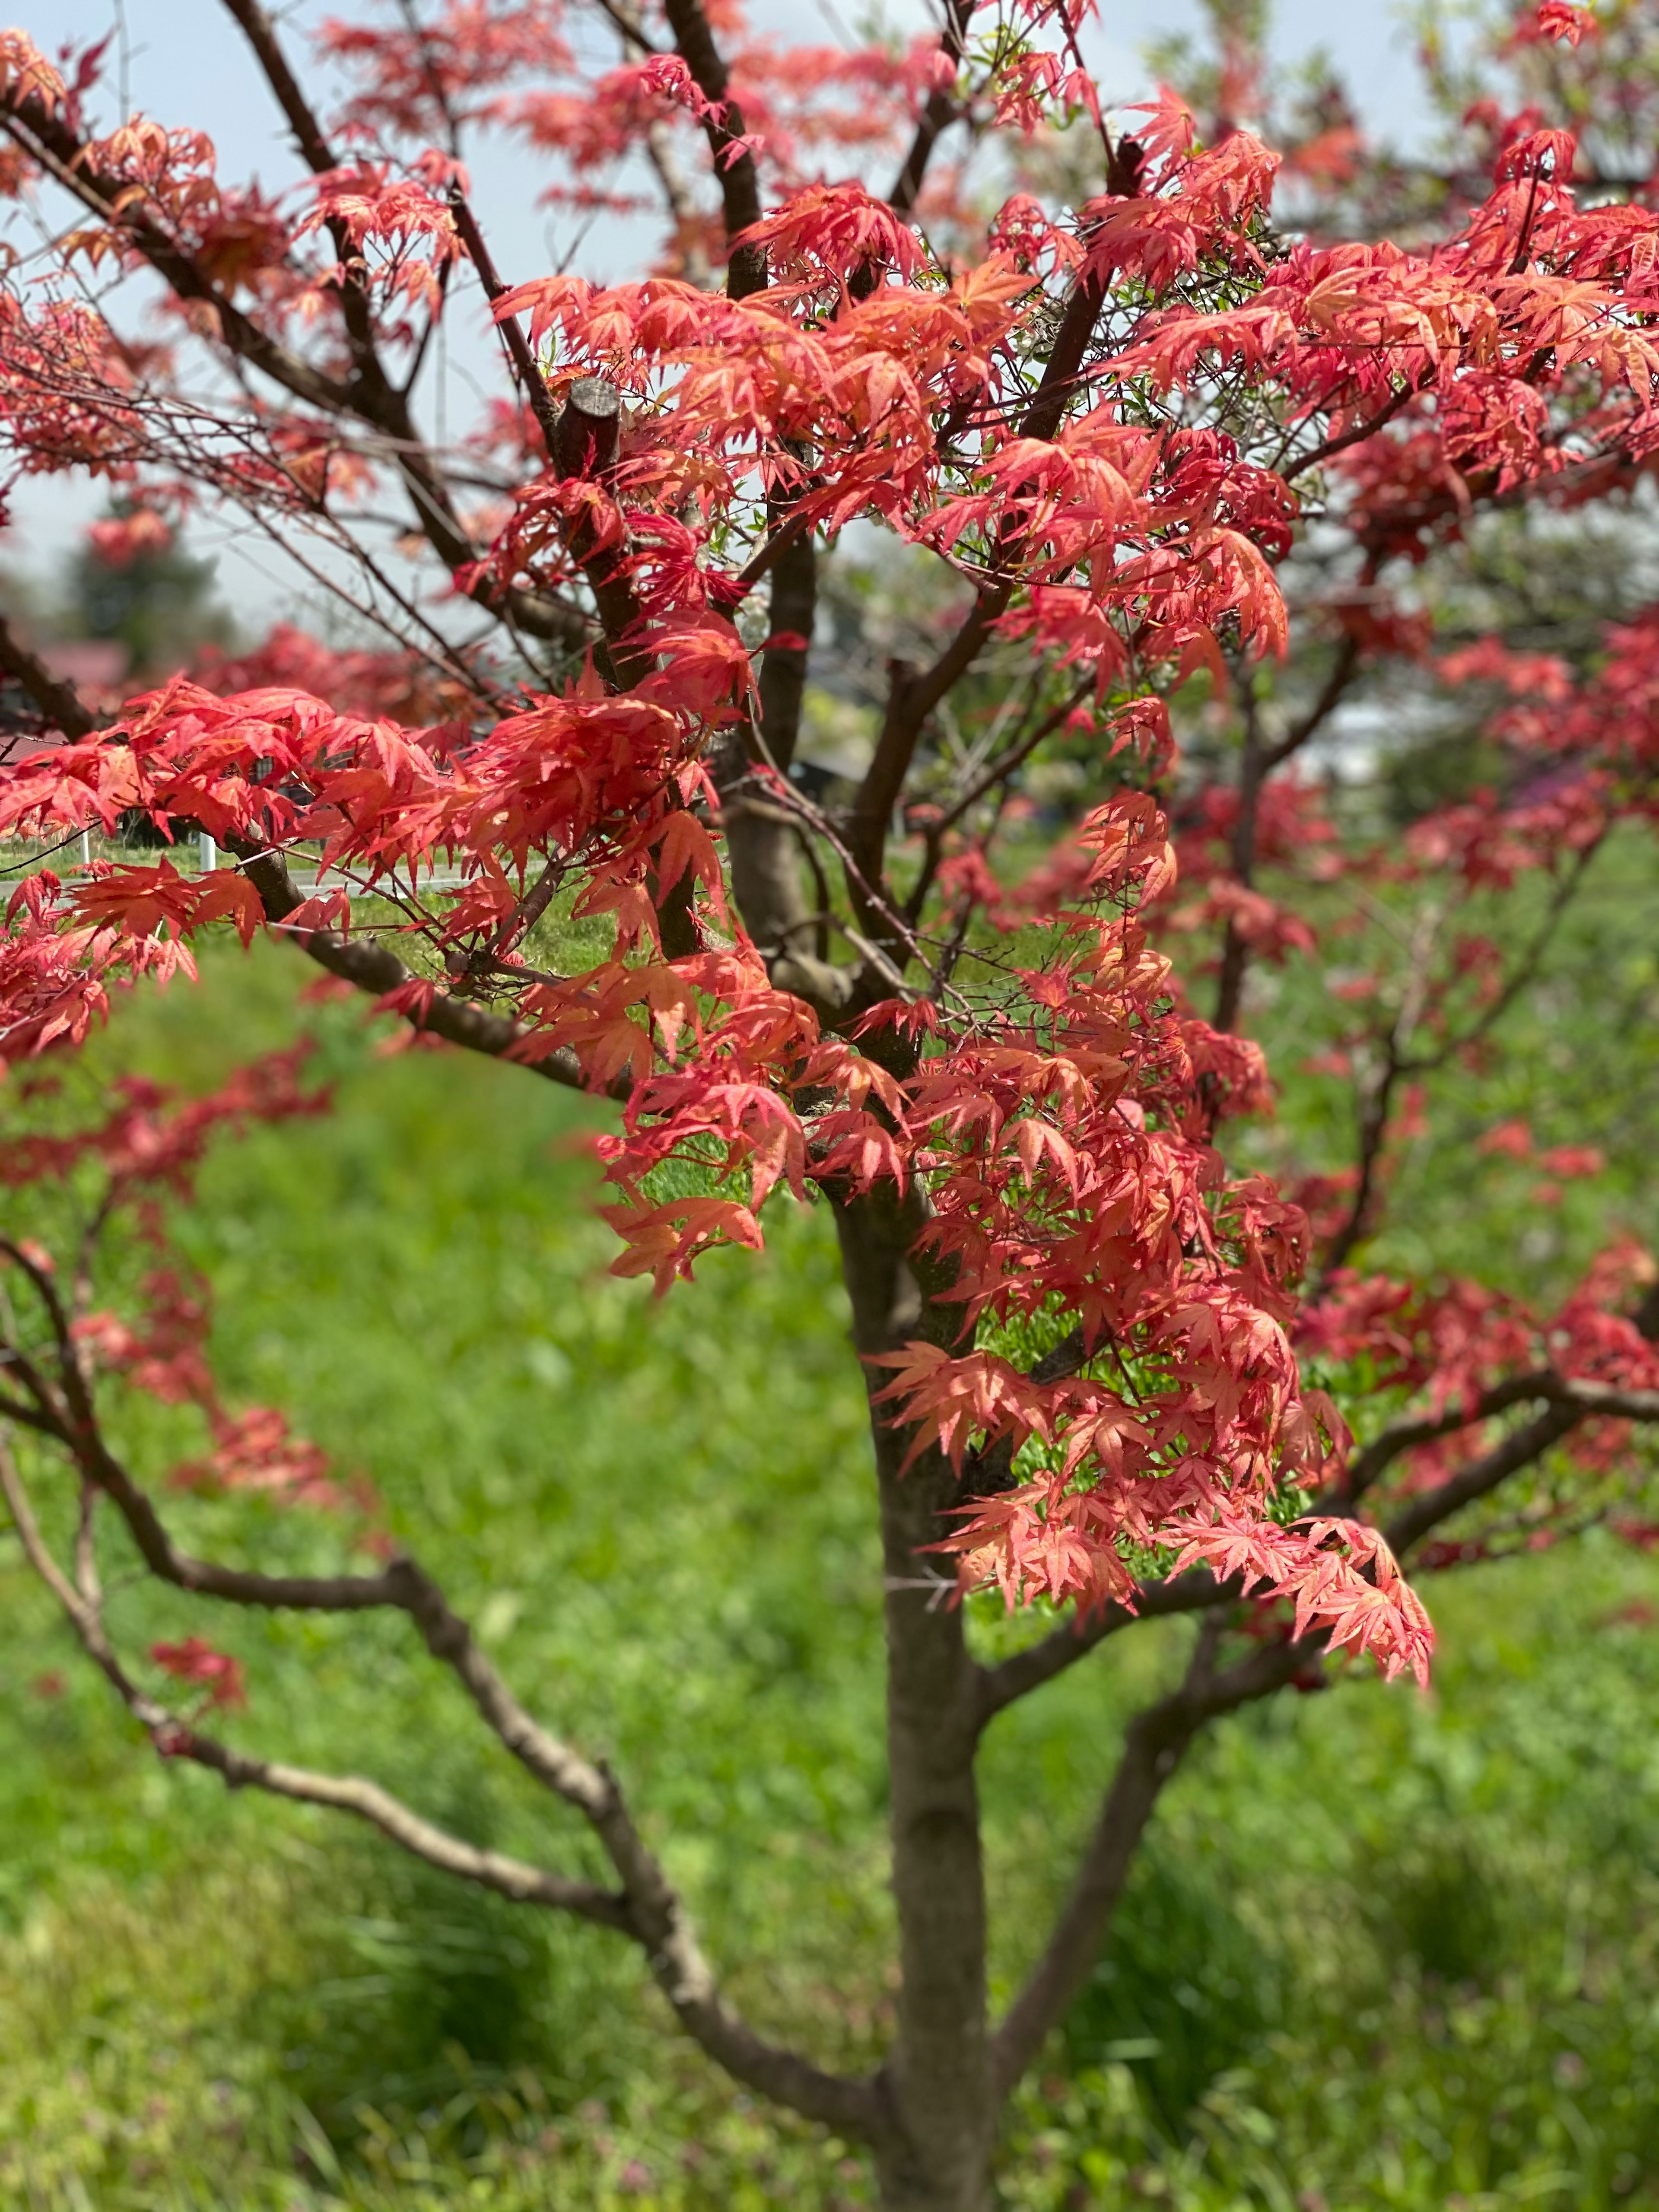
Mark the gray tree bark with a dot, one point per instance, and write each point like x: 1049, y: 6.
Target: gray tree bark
x: 937, y: 2079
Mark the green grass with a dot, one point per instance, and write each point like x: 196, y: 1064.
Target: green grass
x: 1388, y: 1950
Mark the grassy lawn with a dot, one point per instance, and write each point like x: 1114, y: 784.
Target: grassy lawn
x: 1388, y: 1950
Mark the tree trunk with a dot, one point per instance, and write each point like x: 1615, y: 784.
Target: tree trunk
x: 937, y: 2077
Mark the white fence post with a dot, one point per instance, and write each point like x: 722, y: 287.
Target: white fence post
x: 207, y: 853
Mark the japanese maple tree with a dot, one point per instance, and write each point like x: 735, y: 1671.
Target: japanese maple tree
x: 1157, y: 428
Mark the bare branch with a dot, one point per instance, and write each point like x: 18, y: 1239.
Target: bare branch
x: 1003, y: 767
x: 1343, y: 669
x: 374, y: 968
x: 1525, y: 971
x: 942, y: 109
x: 368, y: 1800
x: 1518, y: 1450
x: 524, y: 368
x: 657, y: 1918
x: 734, y: 163
x: 60, y: 702
x: 650, y: 1909
x: 261, y: 33
x: 1366, y: 1466
x: 177, y: 1739
x: 1155, y: 1741
x: 1331, y: 446
x: 1016, y: 1677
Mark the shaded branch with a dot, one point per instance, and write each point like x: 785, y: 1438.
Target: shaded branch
x: 60, y: 702
x: 734, y: 163
x: 579, y: 442
x: 1375, y: 1097
x: 1525, y: 972
x: 1004, y: 766
x: 942, y: 109
x: 373, y: 967
x: 649, y: 1908
x: 1016, y: 1677
x: 1483, y: 1476
x: 1258, y: 764
x: 1155, y: 1743
x: 914, y: 694
x: 1343, y: 671
x: 368, y: 1800
x: 1360, y: 431
x: 1364, y: 1469
x: 368, y: 395
x: 1376, y: 1103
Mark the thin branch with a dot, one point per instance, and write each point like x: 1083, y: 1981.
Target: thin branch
x: 1571, y: 1404
x: 60, y: 703
x: 369, y: 395
x: 650, y: 1909
x: 1375, y: 1102
x: 942, y: 109
x: 1001, y: 768
x: 526, y: 368
x: 681, y: 204
x: 1018, y: 1676
x: 377, y: 969
x: 48, y: 141
x: 914, y: 694
x: 177, y: 1739
x: 627, y: 22
x: 1356, y: 436
x: 734, y: 163
x: 261, y: 33
x: 349, y: 1793
x: 659, y: 152
x: 28, y: 1417
x: 1155, y: 1741
x: 1526, y: 970
x: 1343, y: 670
x: 1369, y: 1465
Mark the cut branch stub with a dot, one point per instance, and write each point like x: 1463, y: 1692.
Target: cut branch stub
x: 588, y: 428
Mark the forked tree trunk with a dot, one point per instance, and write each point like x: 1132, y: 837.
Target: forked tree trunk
x: 937, y: 2077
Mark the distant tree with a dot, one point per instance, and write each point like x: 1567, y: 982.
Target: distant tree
x: 1162, y: 481
x: 132, y: 582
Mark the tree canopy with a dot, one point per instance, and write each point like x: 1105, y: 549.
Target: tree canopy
x: 877, y: 699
